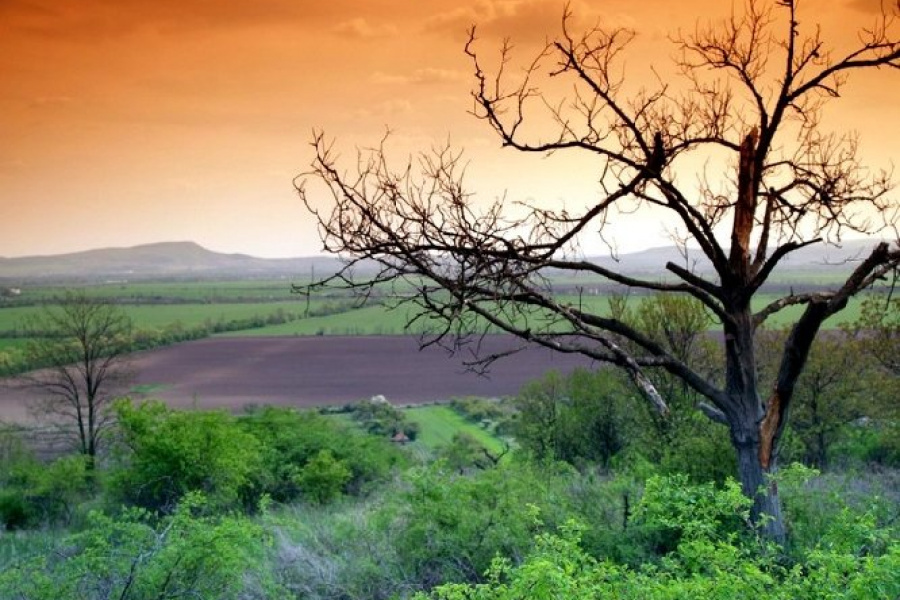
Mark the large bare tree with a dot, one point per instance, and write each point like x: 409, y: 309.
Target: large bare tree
x: 81, y: 343
x: 748, y: 96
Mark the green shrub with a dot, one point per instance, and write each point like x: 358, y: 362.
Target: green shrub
x: 323, y: 477
x: 448, y: 527
x: 164, y: 454
x: 710, y: 560
x: 289, y: 439
x: 35, y: 494
x: 135, y: 557
x: 379, y: 417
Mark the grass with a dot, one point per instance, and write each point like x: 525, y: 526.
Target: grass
x: 7, y: 344
x: 160, y: 305
x: 440, y: 423
x: 146, y: 389
x: 161, y: 315
x: 184, y: 291
x: 367, y: 320
x: 380, y: 320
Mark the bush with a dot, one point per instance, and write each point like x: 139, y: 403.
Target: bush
x: 33, y: 493
x: 323, y: 477
x: 379, y: 417
x: 711, y: 559
x: 134, y: 556
x: 290, y: 439
x: 478, y: 410
x: 164, y: 454
x: 448, y: 527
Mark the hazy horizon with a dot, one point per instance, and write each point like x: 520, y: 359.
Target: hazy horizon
x: 131, y: 122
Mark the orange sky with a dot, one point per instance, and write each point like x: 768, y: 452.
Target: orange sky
x: 132, y: 121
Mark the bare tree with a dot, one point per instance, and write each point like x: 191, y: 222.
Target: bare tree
x: 749, y: 98
x: 82, y: 345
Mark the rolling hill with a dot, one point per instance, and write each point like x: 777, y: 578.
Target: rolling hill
x: 178, y: 260
x: 188, y: 260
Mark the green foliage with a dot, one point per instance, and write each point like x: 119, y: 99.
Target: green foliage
x: 290, y: 439
x: 33, y: 493
x: 379, y: 417
x: 674, y: 506
x: 323, y: 477
x: 708, y: 562
x: 167, y: 453
x: 594, y: 418
x: 482, y: 411
x: 879, y: 322
x: 448, y: 527
x: 688, y: 443
x: 585, y: 416
x: 466, y: 452
x: 134, y: 557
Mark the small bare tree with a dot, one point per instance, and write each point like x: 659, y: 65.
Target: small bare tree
x: 81, y: 345
x: 747, y: 100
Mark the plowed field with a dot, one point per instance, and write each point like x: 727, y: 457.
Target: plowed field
x: 315, y: 371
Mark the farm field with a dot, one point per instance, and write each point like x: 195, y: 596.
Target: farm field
x: 192, y: 304
x: 171, y: 291
x: 234, y: 373
x: 382, y: 320
x: 188, y: 315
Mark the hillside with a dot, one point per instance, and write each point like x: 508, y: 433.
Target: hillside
x: 818, y: 257
x: 188, y: 260
x: 156, y: 261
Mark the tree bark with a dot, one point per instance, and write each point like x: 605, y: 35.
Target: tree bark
x: 755, y: 428
x: 757, y: 484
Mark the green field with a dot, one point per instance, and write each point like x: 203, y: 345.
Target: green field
x: 440, y: 423
x: 12, y: 343
x: 189, y: 305
x: 187, y: 314
x: 381, y: 320
x: 249, y: 290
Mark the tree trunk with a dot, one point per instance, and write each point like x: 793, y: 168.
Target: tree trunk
x: 754, y: 432
x: 755, y: 484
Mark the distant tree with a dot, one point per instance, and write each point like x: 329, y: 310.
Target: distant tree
x: 747, y: 101
x: 580, y: 417
x: 834, y: 389
x: 82, y: 345
x: 879, y: 330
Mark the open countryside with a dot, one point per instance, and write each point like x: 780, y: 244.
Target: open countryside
x: 607, y: 309
x: 266, y: 345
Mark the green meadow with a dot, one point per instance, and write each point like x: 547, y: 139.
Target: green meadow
x: 438, y: 424
x: 268, y: 308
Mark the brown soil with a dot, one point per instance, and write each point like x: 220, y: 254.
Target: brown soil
x: 316, y: 371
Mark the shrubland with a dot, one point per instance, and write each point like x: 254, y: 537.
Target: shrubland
x: 589, y: 498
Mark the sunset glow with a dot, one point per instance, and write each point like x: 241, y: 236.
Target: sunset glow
x: 127, y: 122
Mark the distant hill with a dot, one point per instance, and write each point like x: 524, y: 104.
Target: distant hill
x: 188, y: 260
x: 818, y: 257
x: 178, y: 260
